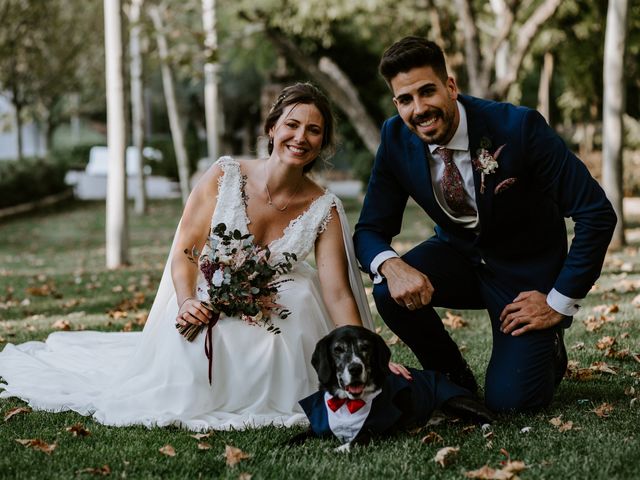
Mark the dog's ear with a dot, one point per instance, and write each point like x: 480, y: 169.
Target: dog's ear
x: 381, y: 357
x: 322, y: 361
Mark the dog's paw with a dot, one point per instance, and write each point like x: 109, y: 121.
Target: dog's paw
x: 344, y: 448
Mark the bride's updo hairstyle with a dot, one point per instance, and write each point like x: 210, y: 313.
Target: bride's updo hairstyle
x: 306, y: 94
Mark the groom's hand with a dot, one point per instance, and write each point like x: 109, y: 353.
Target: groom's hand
x: 409, y: 287
x: 528, y: 311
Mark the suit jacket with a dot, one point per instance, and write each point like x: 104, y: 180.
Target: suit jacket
x: 522, y: 235
x: 400, y: 404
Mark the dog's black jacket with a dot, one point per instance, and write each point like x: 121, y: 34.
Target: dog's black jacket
x: 402, y: 403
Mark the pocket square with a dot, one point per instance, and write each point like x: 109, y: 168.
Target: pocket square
x: 503, y: 185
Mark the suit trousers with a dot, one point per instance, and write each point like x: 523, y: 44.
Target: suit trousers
x: 521, y: 371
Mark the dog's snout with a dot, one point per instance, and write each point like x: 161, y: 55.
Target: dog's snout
x: 355, y: 369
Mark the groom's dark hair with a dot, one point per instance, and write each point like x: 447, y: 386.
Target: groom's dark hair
x: 412, y: 52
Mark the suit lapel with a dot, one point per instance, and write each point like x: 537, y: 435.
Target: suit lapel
x: 477, y: 130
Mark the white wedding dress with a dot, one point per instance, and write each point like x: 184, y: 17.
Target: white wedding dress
x: 157, y: 378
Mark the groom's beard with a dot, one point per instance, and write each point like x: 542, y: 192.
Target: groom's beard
x: 443, y: 134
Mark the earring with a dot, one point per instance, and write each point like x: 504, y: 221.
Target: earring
x: 270, y: 142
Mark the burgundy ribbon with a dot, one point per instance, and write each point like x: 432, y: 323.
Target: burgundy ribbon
x: 208, y: 341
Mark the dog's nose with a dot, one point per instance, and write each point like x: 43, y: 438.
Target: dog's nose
x: 355, y: 369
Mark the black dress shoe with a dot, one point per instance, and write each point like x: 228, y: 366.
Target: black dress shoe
x: 464, y: 377
x: 468, y: 408
x: 560, y: 360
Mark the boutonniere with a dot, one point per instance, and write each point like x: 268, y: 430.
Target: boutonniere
x: 486, y: 161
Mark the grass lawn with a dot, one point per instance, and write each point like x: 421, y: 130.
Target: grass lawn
x: 52, y: 276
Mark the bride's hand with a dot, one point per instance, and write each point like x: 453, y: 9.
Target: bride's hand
x: 398, y: 369
x: 193, y: 311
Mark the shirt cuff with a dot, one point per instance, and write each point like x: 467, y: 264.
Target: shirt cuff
x: 377, y: 261
x: 562, y: 304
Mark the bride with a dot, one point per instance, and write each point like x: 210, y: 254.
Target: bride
x: 157, y: 377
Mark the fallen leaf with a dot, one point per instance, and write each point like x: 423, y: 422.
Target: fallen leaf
x: 618, y: 354
x: 603, y: 410
x: 78, y: 430
x: 488, y: 473
x: 127, y: 327
x: 168, y: 450
x: 468, y: 429
x: 514, y: 467
x: 141, y: 319
x: 200, y: 436
x: 41, y: 291
x: 74, y: 302
x: 245, y: 476
x: 446, y: 455
x: 204, y: 446
x: 454, y: 321
x: 234, y: 455
x: 432, y: 437
x: 15, y: 411
x: 624, y: 335
x: 525, y: 429
x: 104, y: 471
x: 61, y: 325
x: 560, y: 425
x: 605, y: 342
x: 593, y: 324
x: 603, y: 367
x: 577, y: 346
x: 606, y: 309
x: 37, y: 444
x: 393, y: 340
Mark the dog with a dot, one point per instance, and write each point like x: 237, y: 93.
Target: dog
x: 359, y: 397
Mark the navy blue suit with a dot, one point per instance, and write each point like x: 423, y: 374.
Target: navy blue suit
x: 401, y: 403
x: 521, y: 244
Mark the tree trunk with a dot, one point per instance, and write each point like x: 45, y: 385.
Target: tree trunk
x: 19, y: 141
x: 116, y: 229
x: 137, y: 104
x: 172, y: 106
x: 471, y: 47
x: 211, y: 78
x: 544, y: 88
x: 613, y: 109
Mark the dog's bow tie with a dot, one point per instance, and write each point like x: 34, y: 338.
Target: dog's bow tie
x: 334, y: 403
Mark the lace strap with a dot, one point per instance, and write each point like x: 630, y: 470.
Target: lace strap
x: 230, y: 207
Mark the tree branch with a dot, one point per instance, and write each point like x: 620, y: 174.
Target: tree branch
x: 525, y: 37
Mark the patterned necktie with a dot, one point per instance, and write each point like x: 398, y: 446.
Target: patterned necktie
x: 452, y: 185
x: 335, y: 403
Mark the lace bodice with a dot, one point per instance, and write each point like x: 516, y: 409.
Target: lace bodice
x: 298, y: 237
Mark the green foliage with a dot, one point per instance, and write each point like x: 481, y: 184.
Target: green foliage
x: 75, y: 157
x: 29, y: 180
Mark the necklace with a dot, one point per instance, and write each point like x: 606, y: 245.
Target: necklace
x: 270, y: 201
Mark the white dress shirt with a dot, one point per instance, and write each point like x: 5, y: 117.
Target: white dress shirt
x: 459, y: 143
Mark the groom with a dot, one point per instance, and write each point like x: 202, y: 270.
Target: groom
x: 498, y: 182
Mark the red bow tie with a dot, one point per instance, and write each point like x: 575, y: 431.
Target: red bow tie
x: 353, y: 406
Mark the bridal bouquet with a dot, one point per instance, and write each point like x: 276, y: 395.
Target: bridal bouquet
x: 239, y: 282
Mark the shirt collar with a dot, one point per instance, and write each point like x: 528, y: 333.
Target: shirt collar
x: 460, y: 139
